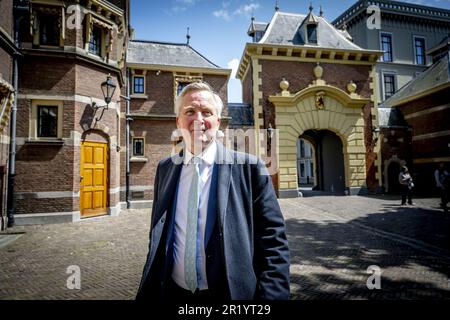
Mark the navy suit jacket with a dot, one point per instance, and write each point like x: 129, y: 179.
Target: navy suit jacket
x: 247, y: 254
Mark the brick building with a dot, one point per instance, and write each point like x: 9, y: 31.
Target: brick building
x: 8, y: 53
x: 68, y: 159
x: 405, y: 34
x: 158, y: 71
x: 425, y: 106
x: 308, y: 80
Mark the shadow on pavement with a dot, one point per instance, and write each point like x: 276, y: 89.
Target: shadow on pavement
x: 339, y: 253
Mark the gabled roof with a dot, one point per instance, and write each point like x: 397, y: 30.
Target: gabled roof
x: 438, y: 75
x: 283, y: 30
x: 256, y: 26
x: 163, y: 53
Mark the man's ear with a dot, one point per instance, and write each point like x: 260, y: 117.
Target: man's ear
x: 176, y: 120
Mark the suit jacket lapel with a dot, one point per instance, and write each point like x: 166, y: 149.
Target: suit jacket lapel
x: 169, y: 185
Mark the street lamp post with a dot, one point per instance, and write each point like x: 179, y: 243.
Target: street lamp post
x: 108, y: 88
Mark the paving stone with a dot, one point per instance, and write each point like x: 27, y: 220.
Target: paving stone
x: 333, y: 240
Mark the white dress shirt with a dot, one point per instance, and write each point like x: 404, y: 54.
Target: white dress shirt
x: 206, y: 169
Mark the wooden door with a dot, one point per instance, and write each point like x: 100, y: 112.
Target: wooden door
x: 93, y: 180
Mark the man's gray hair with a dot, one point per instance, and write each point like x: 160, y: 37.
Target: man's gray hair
x: 217, y: 101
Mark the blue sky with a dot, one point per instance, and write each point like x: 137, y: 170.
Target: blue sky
x: 218, y: 29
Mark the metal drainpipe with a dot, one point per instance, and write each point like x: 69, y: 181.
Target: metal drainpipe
x: 12, y: 152
x: 127, y: 148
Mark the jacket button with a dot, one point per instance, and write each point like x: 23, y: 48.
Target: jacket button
x: 162, y: 220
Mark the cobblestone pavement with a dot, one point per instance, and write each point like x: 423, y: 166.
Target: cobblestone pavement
x: 333, y: 241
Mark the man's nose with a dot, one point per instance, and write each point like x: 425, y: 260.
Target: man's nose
x: 198, y: 117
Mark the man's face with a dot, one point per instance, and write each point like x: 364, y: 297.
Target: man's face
x: 198, y: 120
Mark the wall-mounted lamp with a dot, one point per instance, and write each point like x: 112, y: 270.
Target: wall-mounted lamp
x: 108, y: 88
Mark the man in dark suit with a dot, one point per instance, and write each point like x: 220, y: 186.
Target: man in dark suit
x: 217, y: 231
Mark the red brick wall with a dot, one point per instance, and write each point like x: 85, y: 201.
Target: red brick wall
x: 23, y: 118
x: 56, y: 75
x: 433, y: 147
x: 6, y: 16
x: 89, y: 78
x: 159, y: 89
x: 6, y: 65
x: 40, y: 205
x: 44, y: 168
x: 160, y: 92
x: 158, y: 146
x: 6, y: 23
x: 300, y: 75
x: 429, y: 123
x: 247, y: 87
x: 157, y: 133
x: 73, y: 37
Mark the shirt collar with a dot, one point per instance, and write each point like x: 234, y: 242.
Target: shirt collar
x: 207, y: 156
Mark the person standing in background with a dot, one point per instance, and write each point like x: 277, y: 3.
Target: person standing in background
x: 442, y: 178
x: 406, y: 185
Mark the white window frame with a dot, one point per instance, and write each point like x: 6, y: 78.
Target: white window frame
x: 34, y: 119
x: 381, y: 45
x: 424, y: 49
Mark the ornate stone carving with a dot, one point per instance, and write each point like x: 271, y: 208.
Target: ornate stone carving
x: 284, y: 86
x: 320, y: 101
x: 351, y: 87
x: 318, y: 71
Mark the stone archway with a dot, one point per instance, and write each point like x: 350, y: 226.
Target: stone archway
x: 339, y: 113
x: 328, y: 160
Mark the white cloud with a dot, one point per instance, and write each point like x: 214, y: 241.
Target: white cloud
x: 233, y: 65
x: 187, y: 2
x: 183, y: 5
x: 244, y: 10
x: 222, y: 14
x: 178, y: 8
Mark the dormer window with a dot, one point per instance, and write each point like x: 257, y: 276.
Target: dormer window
x: 311, y: 32
x: 308, y: 28
x: 258, y: 36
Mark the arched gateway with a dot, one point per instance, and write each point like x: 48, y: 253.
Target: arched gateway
x: 329, y: 168
x: 330, y: 118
